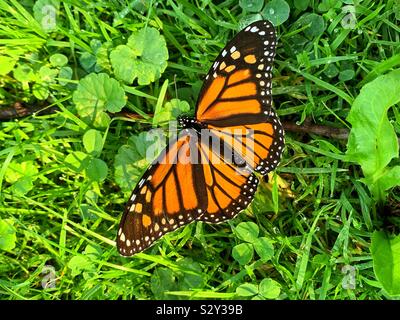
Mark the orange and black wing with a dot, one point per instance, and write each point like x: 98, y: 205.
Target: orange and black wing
x: 230, y: 186
x: 189, y: 181
x: 170, y: 194
x: 236, y: 99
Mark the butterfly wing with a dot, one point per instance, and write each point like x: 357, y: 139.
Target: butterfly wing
x: 230, y: 187
x: 236, y: 99
x: 170, y: 194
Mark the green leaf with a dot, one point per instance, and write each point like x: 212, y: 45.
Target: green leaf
x: 162, y: 281
x: 58, y: 60
x: 22, y: 186
x: 301, y: 4
x: 251, y: 5
x: 315, y: 23
x: 65, y: 73
x: 87, y: 61
x: 79, y: 264
x: 40, y: 91
x: 93, y: 251
x: 23, y: 73
x: 390, y: 178
x: 264, y: 248
x: 269, y: 289
x: 372, y: 141
x: 96, y: 93
x: 97, y: 170
x: 135, y: 156
x: 6, y: 64
x: 346, y: 75
x: 325, y: 5
x: 243, y: 253
x: 77, y: 161
x: 8, y: 235
x: 144, y: 57
x: 47, y: 74
x: 191, y: 279
x: 123, y: 71
x: 247, y: 290
x: 171, y: 110
x: 386, y: 261
x: 245, y: 21
x: 102, y: 57
x: 93, y: 141
x: 247, y: 231
x: 16, y: 170
x: 276, y: 11
x: 331, y: 71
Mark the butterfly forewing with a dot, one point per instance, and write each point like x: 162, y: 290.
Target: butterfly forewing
x: 236, y: 98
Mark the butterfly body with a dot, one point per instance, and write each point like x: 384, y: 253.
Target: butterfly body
x: 208, y: 171
x: 191, y: 123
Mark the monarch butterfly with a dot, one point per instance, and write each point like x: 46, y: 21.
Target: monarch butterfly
x: 193, y: 180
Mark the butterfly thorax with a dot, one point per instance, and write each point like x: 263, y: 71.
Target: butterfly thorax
x: 186, y: 122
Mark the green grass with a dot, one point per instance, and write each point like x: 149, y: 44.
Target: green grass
x: 61, y: 216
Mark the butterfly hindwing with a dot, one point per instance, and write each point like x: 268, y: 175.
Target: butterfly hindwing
x: 230, y: 187
x: 170, y: 194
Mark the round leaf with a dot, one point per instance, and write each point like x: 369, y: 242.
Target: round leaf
x: 87, y: 61
x: 97, y: 92
x: 331, y: 71
x: 93, y: 141
x: 243, y: 253
x: 97, y: 170
x: 47, y: 74
x: 315, y: 23
x: 122, y: 70
x: 270, y: 289
x: 264, y: 248
x: 22, y: 186
x: 247, y: 290
x: 23, y: 73
x: 301, y: 4
x: 134, y: 157
x: 276, y: 11
x: 58, y: 60
x: 77, y: 161
x: 65, y: 73
x: 244, y: 22
x: 247, y: 231
x: 346, y: 75
x: 78, y: 264
x: 147, y: 57
x: 251, y: 5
